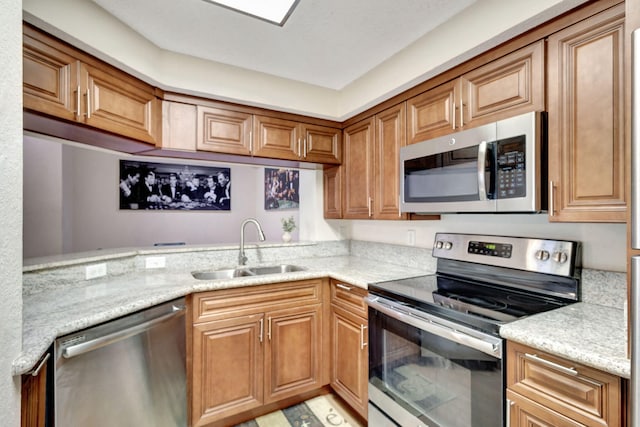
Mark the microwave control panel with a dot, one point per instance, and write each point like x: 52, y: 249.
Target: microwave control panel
x: 511, y: 170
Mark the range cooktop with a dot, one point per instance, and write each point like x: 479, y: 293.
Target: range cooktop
x: 486, y: 281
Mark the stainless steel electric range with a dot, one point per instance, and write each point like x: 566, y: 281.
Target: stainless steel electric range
x: 435, y: 354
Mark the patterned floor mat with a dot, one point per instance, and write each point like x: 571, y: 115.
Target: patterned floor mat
x: 321, y: 411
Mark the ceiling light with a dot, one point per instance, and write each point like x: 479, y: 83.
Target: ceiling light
x: 273, y: 11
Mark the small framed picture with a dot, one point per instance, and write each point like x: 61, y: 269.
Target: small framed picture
x: 281, y: 189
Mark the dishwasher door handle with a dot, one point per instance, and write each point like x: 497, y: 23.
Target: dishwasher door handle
x: 85, y: 347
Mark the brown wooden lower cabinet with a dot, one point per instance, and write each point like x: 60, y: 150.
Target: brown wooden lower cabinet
x: 546, y: 390
x: 349, y: 355
x: 254, y: 346
x: 349, y: 345
x: 34, y: 399
x: 525, y: 412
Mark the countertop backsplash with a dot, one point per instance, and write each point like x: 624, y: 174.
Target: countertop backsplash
x: 598, y: 287
x: 605, y: 288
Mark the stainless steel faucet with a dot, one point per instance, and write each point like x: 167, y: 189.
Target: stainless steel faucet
x: 242, y: 259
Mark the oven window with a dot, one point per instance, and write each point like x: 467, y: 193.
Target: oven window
x: 437, y: 381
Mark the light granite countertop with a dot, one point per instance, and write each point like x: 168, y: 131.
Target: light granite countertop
x: 590, y: 334
x: 57, y: 300
x: 61, y: 310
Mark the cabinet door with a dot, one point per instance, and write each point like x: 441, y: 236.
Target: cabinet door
x: 586, y: 120
x: 433, y: 113
x: 358, y: 166
x: 511, y: 85
x: 349, y: 358
x: 227, y: 368
x: 390, y: 136
x: 321, y: 144
x: 119, y: 104
x: 223, y: 131
x: 527, y: 413
x: 332, y: 188
x: 584, y: 394
x: 293, y: 352
x: 50, y: 77
x: 34, y: 397
x: 276, y: 138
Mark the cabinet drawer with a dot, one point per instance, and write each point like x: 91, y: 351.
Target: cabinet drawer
x: 585, y: 394
x: 349, y: 297
x: 217, y: 304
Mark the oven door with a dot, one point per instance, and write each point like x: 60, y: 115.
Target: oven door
x: 428, y: 371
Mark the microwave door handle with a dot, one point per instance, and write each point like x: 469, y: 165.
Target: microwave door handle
x: 482, y: 160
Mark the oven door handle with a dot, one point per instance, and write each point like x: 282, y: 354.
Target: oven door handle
x: 431, y: 325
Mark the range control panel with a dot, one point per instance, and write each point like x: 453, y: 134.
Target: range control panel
x: 502, y: 250
x: 558, y: 257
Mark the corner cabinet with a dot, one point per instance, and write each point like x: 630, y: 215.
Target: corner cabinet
x: 545, y: 390
x: 507, y: 86
x: 371, y: 166
x: 62, y: 82
x: 586, y: 120
x: 349, y: 345
x: 332, y: 189
x: 253, y: 346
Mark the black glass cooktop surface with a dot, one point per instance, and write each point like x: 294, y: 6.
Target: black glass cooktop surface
x: 481, y: 305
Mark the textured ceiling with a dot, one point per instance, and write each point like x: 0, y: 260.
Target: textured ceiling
x: 329, y: 43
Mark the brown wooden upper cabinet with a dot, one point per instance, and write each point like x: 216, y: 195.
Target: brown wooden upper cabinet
x: 332, y: 189
x: 62, y: 82
x: 508, y: 86
x: 223, y: 131
x: 586, y: 120
x: 288, y: 139
x: 234, y: 132
x: 371, y: 165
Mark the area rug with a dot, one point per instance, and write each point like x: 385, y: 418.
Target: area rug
x: 320, y: 411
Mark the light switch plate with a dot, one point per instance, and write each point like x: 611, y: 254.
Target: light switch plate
x: 95, y: 270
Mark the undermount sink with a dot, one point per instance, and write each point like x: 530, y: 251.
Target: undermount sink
x: 230, y: 273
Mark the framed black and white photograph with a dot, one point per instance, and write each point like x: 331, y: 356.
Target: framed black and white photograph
x: 164, y: 186
x: 281, y: 188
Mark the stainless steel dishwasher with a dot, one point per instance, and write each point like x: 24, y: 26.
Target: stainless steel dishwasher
x: 127, y: 372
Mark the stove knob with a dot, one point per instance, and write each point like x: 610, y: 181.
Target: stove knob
x: 448, y: 245
x: 560, y: 257
x: 542, y: 255
x: 439, y: 244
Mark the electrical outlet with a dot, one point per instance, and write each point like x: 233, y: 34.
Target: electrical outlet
x: 95, y: 270
x: 411, y: 237
x: 155, y: 262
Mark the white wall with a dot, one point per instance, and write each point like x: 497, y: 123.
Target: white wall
x: 81, y: 187
x: 74, y: 206
x: 11, y: 208
x: 604, y: 245
x: 483, y: 25
x: 43, y: 184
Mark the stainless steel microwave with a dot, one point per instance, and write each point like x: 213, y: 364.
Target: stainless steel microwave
x: 496, y: 167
